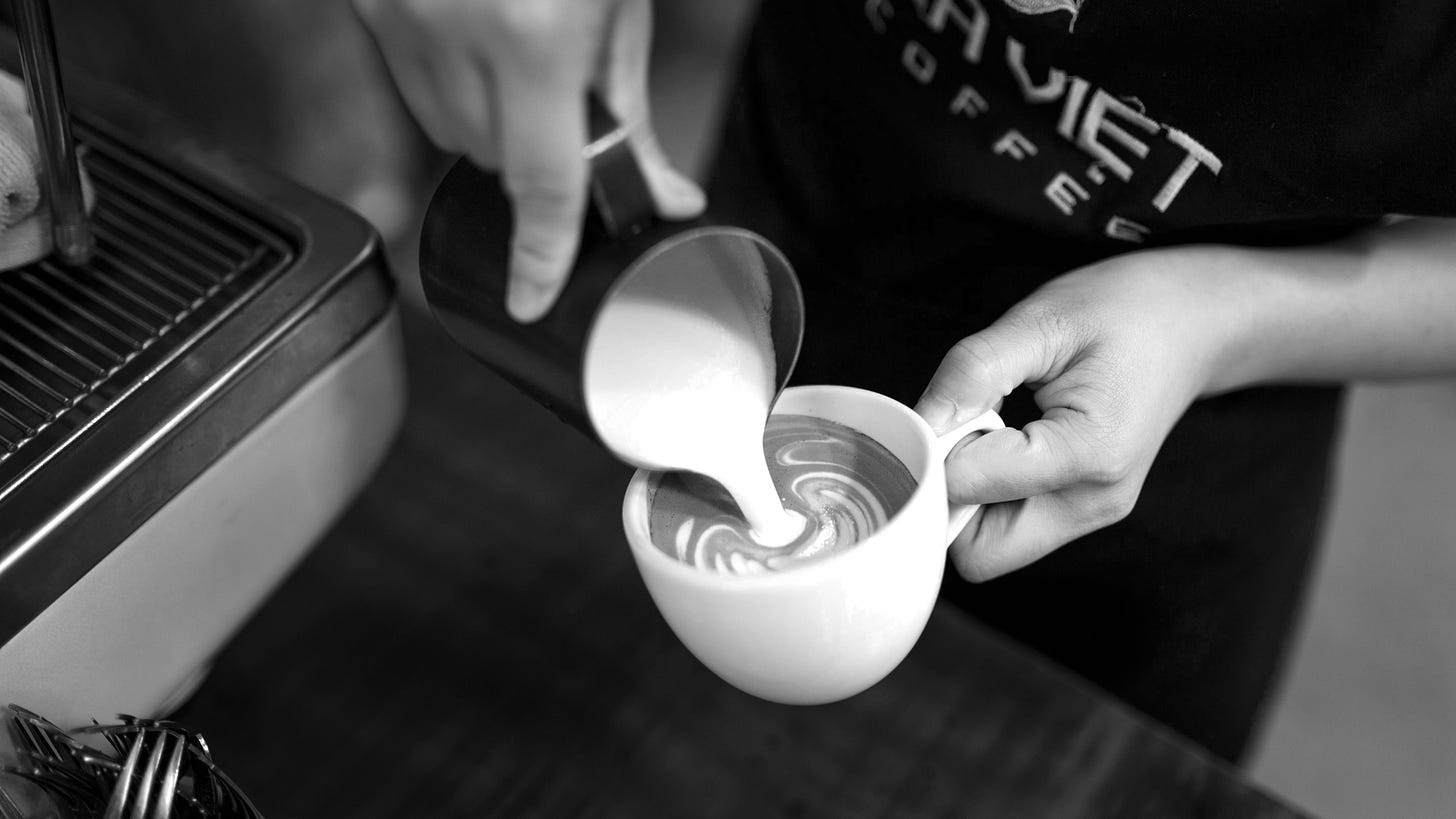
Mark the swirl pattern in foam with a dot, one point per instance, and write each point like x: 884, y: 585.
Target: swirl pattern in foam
x: 843, y: 484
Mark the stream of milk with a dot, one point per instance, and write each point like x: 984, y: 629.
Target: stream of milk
x: 680, y: 374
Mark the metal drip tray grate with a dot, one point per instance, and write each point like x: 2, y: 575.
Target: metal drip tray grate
x: 216, y: 293
x: 168, y: 255
x: 181, y: 416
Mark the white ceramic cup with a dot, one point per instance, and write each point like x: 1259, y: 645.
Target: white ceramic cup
x: 830, y: 629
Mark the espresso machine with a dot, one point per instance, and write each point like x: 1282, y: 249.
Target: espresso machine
x: 193, y: 385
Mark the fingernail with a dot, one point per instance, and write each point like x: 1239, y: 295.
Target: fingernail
x: 938, y: 411
x: 688, y: 198
x: 526, y: 301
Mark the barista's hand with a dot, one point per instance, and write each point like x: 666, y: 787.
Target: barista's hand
x: 504, y: 81
x: 1115, y: 353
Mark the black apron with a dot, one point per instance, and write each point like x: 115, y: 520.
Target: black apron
x: 926, y: 165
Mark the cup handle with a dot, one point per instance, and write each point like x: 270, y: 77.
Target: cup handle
x: 618, y: 187
x: 961, y: 514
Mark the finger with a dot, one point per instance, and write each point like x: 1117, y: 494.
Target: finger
x: 1005, y: 537
x: 1054, y: 452
x: 542, y: 126
x: 625, y: 86
x: 421, y: 97
x: 397, y: 41
x: 467, y: 86
x: 984, y: 368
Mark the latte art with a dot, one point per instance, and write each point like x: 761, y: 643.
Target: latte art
x: 842, y: 484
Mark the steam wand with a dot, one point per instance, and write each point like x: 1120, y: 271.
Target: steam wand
x: 62, y: 171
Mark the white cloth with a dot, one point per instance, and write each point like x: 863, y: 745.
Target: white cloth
x: 19, y: 156
x: 25, y: 223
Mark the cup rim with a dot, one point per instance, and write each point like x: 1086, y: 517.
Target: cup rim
x: 644, y: 480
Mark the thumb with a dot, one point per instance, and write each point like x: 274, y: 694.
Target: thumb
x: 984, y: 368
x: 624, y: 78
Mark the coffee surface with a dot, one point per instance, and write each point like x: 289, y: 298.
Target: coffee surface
x: 842, y: 484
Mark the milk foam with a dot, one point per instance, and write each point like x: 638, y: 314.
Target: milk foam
x: 695, y: 392
x: 843, y: 485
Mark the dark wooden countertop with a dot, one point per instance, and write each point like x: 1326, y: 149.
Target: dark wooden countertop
x: 472, y: 639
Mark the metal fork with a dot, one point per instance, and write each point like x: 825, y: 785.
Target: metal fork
x: 210, y: 793
x: 153, y: 787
